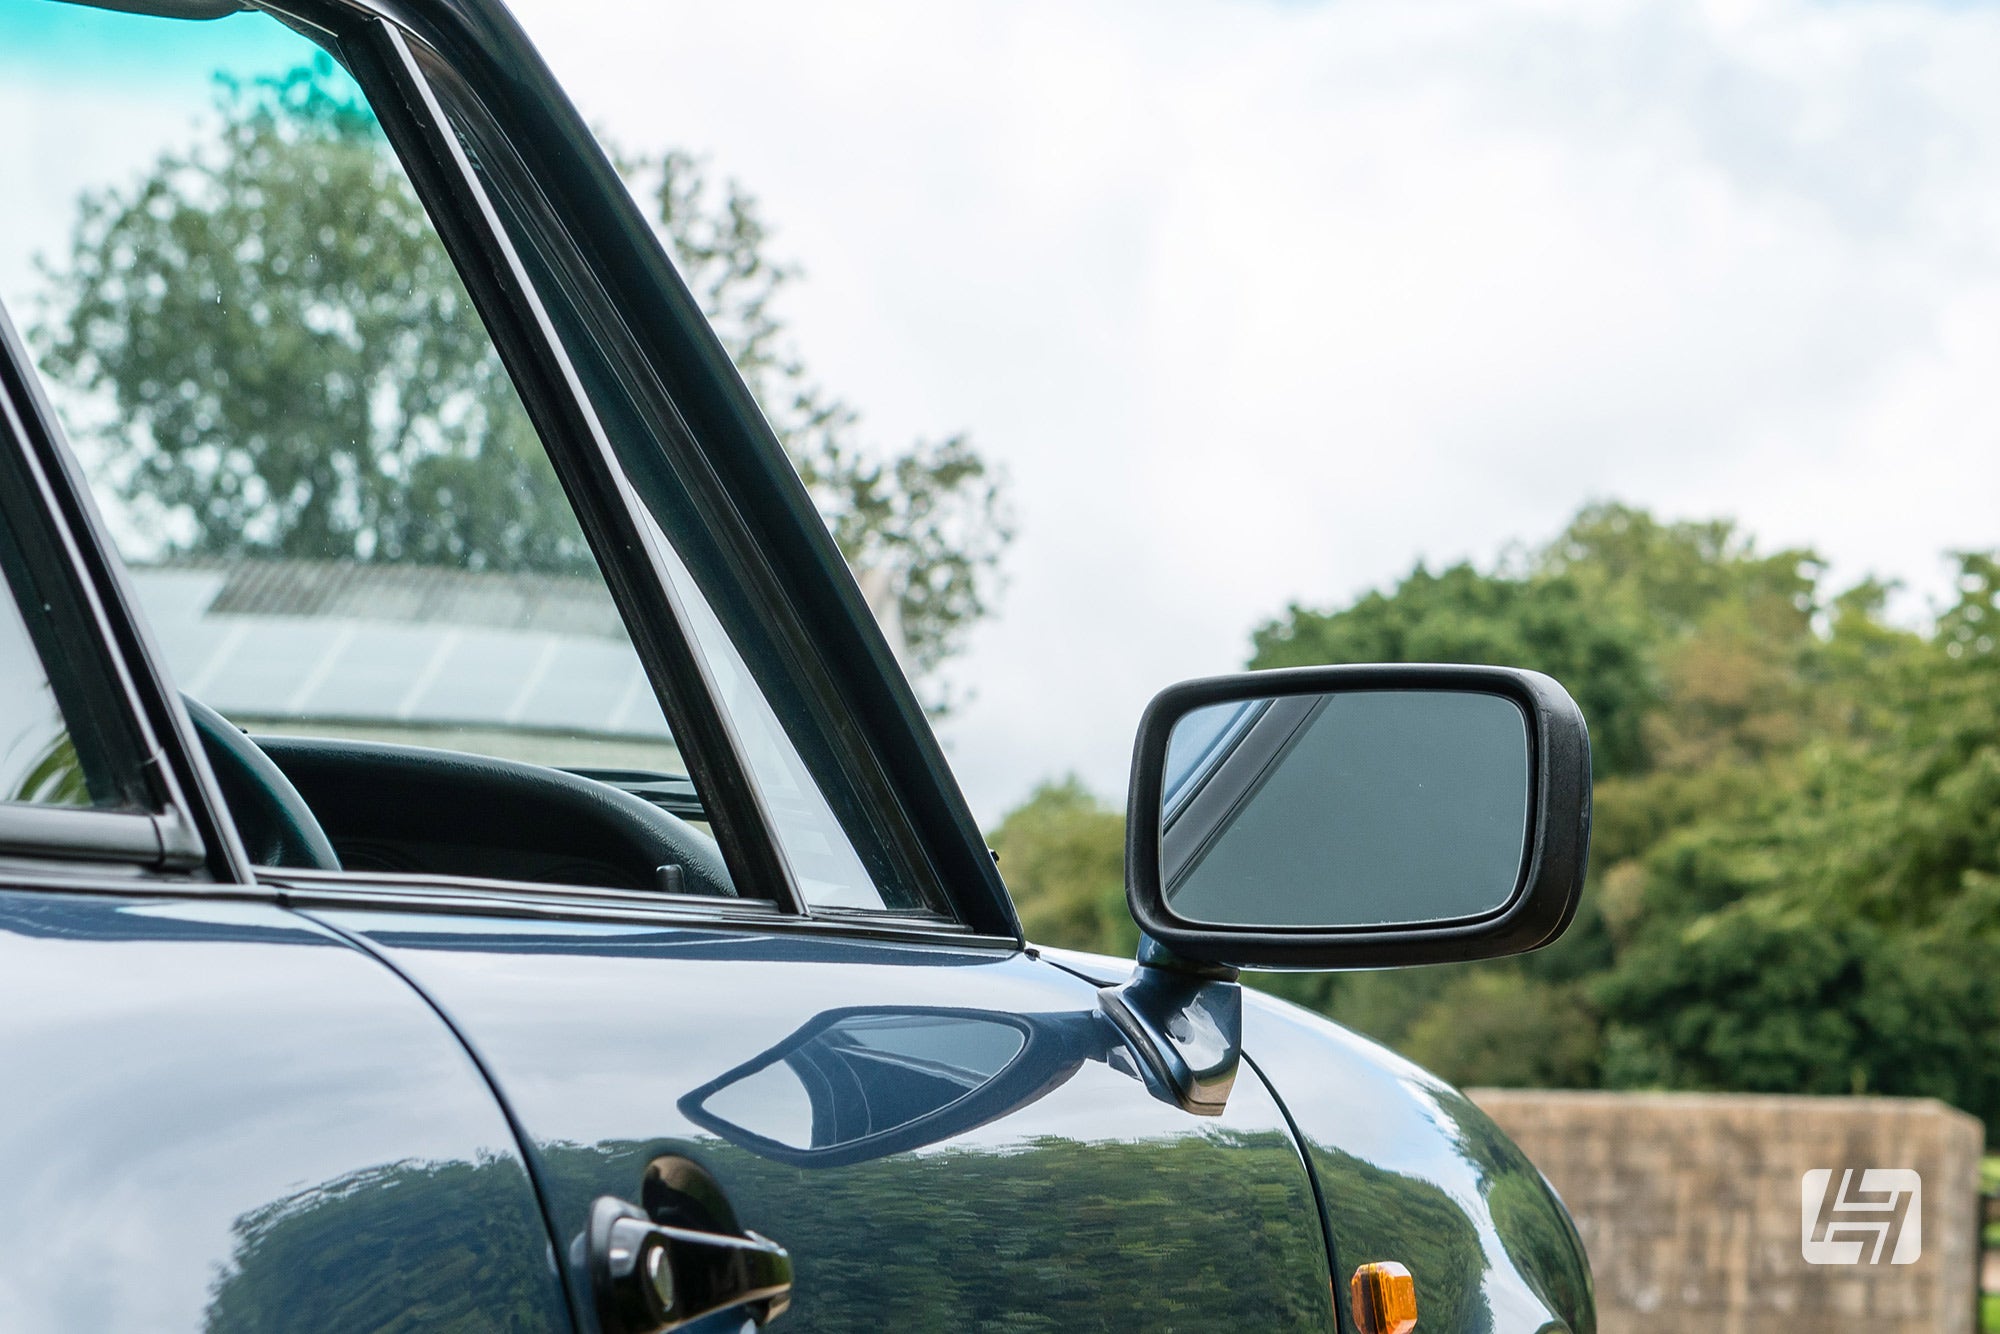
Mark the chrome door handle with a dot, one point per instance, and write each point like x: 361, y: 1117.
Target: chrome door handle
x: 646, y: 1278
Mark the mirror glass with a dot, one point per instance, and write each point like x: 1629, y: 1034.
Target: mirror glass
x: 1359, y: 808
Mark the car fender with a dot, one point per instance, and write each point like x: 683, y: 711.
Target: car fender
x: 1409, y: 1170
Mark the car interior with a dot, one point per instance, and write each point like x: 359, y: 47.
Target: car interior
x: 333, y: 804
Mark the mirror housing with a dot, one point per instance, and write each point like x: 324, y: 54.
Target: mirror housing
x: 1554, y: 795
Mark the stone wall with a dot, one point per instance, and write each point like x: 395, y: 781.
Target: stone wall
x: 1689, y: 1205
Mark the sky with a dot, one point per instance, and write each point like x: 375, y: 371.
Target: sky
x: 1264, y: 302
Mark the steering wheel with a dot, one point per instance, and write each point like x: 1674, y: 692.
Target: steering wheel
x: 276, y: 825
x: 423, y: 810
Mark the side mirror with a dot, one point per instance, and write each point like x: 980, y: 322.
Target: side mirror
x: 1358, y: 817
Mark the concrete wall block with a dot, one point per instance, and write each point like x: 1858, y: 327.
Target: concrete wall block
x: 1689, y: 1206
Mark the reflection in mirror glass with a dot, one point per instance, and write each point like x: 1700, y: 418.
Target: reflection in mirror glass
x: 1197, y: 740
x: 1364, y: 808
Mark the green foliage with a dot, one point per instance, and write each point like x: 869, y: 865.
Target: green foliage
x: 1462, y: 615
x: 295, y: 366
x: 1493, y: 1027
x: 56, y: 778
x: 1062, y: 853
x: 1795, y: 878
x: 284, y: 363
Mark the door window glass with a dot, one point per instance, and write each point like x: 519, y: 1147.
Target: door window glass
x: 830, y: 837
x: 822, y: 861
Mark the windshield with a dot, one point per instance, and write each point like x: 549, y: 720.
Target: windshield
x: 336, y: 512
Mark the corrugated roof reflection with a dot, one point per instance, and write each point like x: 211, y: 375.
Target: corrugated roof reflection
x: 431, y: 647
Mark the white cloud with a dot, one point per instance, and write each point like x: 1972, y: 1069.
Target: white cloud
x: 1263, y: 303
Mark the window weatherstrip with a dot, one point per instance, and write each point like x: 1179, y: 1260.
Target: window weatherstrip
x: 104, y: 836
x: 64, y: 544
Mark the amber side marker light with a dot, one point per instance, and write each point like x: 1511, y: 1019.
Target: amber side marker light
x: 1385, y: 1298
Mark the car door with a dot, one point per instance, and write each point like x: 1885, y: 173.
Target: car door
x: 220, y: 1115
x: 827, y: 1030
x: 942, y: 1133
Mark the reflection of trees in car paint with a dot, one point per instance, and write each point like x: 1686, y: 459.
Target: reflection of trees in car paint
x: 889, y: 1244
x: 1377, y: 1214
x: 1536, y: 1233
x: 1042, y: 1235
x: 386, y: 1248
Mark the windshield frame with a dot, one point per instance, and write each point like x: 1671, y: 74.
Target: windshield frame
x: 703, y: 455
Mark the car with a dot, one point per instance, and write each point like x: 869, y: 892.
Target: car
x: 470, y: 860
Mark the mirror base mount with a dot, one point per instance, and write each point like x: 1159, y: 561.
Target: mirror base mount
x: 1185, y: 1021
x: 1152, y: 954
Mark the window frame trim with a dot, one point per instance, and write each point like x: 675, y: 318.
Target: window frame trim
x: 377, y: 52
x: 470, y: 896
x: 169, y: 836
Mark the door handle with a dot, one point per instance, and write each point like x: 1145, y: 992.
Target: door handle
x: 646, y: 1278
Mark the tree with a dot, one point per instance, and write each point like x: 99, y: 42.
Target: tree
x: 1548, y: 623
x: 292, y: 368
x: 934, y: 517
x: 1795, y: 862
x: 1062, y: 853
x: 1840, y: 932
x: 294, y: 365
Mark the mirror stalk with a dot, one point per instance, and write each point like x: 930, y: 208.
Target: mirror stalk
x: 1185, y: 1020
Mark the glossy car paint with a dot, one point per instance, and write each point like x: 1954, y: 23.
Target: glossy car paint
x: 222, y: 1117
x: 1084, y: 1202
x: 1409, y: 1170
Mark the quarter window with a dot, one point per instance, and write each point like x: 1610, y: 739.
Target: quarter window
x: 39, y: 765
x: 67, y: 746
